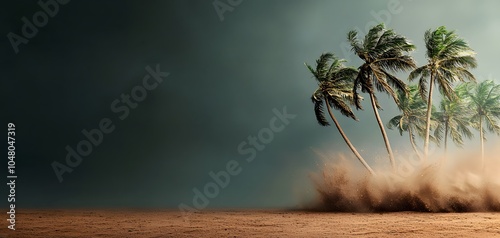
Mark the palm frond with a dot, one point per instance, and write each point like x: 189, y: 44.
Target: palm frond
x: 335, y: 83
x: 319, y: 112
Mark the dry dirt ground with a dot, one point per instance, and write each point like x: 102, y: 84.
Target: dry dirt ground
x: 248, y: 223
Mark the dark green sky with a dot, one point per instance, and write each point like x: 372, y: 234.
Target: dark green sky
x: 225, y: 79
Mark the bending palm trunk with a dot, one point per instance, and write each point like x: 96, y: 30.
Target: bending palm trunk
x: 428, y: 122
x: 347, y: 141
x: 382, y: 130
x: 481, y: 137
x: 446, y: 126
x: 412, y: 141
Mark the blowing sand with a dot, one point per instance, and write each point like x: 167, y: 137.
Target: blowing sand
x: 459, y: 184
x: 250, y: 223
x: 457, y: 200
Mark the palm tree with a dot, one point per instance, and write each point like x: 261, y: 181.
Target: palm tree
x: 485, y: 104
x: 449, y: 59
x: 335, y: 90
x: 453, y: 118
x: 382, y: 52
x: 412, y: 118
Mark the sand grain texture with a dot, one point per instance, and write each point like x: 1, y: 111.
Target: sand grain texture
x: 250, y: 223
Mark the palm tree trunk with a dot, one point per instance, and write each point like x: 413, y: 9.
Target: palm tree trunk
x: 445, y: 157
x: 347, y: 141
x: 382, y: 129
x: 428, y: 121
x: 481, y: 137
x: 412, y: 141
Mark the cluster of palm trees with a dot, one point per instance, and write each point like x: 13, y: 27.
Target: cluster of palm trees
x: 465, y: 104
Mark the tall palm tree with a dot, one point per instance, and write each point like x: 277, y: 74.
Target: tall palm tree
x: 485, y: 104
x: 412, y: 118
x: 335, y: 90
x: 453, y: 119
x: 449, y: 60
x: 383, y: 52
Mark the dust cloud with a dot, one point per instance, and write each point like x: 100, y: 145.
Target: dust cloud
x: 460, y: 184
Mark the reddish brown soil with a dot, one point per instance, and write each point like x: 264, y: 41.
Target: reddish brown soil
x: 249, y: 223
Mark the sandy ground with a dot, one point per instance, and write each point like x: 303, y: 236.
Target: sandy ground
x: 249, y: 223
